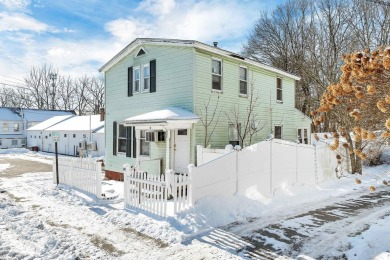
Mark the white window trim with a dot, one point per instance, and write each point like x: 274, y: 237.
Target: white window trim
x: 281, y: 132
x: 281, y: 83
x: 144, y: 138
x: 239, y: 81
x: 140, y: 77
x: 216, y: 90
x: 5, y: 126
x: 303, y: 136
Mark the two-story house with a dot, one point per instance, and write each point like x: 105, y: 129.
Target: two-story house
x: 11, y: 129
x: 160, y: 93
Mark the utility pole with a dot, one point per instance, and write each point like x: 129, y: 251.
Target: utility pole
x: 53, y: 77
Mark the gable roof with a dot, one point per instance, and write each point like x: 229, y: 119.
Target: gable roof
x: 188, y: 43
x: 39, y: 115
x: 8, y: 114
x: 49, y: 122
x: 78, y: 123
x: 164, y: 115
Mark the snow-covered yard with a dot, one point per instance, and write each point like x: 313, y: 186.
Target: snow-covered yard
x: 39, y: 220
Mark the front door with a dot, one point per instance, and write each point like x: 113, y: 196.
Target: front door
x: 182, y: 150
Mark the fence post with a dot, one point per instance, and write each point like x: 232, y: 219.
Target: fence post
x: 99, y: 180
x: 199, y: 154
x: 190, y: 188
x: 315, y: 165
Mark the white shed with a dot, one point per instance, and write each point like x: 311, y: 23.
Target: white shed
x: 75, y: 135
x: 36, y: 137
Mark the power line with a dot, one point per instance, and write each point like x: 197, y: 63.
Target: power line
x: 14, y: 86
x: 12, y: 78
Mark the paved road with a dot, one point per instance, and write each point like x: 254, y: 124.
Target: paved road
x: 20, y: 166
x: 324, y: 227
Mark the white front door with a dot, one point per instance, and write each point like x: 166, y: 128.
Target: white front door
x: 182, y: 150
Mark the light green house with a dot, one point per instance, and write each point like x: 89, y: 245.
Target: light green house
x: 158, y: 92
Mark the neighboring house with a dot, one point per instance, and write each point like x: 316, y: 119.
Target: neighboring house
x: 35, y: 137
x: 11, y: 129
x: 74, y: 135
x: 15, y: 121
x: 157, y: 91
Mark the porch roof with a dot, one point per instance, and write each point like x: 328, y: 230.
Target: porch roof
x: 163, y: 116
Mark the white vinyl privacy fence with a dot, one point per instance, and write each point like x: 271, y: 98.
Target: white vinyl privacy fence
x: 81, y: 173
x: 161, y: 195
x: 266, y: 167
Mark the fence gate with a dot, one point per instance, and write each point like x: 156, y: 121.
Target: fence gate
x: 146, y: 192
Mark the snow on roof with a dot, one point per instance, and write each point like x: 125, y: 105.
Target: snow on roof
x: 190, y: 43
x: 49, y: 122
x: 7, y: 114
x: 40, y: 115
x: 169, y: 113
x: 78, y: 123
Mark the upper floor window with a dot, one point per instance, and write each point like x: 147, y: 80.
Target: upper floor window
x: 278, y: 132
x: 216, y: 72
x: 279, y: 96
x: 5, y: 127
x: 303, y: 136
x: 137, y: 77
x: 16, y: 127
x: 14, y: 142
x: 146, y: 77
x: 243, y: 81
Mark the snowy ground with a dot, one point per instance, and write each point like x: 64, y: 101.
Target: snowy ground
x: 38, y: 220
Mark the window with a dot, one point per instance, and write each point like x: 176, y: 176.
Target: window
x: 137, y: 76
x: 84, y: 135
x: 16, y: 127
x: 146, y: 77
x: 141, y: 52
x: 182, y: 132
x: 14, y: 142
x: 279, y: 96
x: 150, y: 136
x: 45, y: 136
x: 121, y: 139
x: 23, y: 141
x: 216, y: 72
x: 278, y: 132
x: 233, y: 134
x: 1, y: 143
x: 144, y: 146
x: 5, y: 127
x: 160, y: 136
x: 64, y: 135
x: 243, y: 81
x: 303, y: 136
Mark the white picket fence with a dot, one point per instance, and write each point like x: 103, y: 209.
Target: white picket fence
x: 81, y: 173
x: 161, y: 195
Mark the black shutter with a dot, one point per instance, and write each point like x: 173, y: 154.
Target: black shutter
x: 114, y: 137
x: 130, y: 81
x: 134, y: 144
x: 152, y: 76
x: 128, y: 141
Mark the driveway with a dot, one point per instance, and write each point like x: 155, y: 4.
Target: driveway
x: 20, y: 166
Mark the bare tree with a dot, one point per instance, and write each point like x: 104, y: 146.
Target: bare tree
x: 246, y: 122
x: 209, y: 116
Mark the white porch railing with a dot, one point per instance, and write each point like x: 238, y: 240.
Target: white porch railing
x: 83, y: 174
x: 161, y: 195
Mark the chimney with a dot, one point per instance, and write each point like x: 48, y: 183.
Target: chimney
x: 215, y: 44
x: 101, y: 113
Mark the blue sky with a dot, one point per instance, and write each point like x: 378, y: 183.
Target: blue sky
x: 77, y: 37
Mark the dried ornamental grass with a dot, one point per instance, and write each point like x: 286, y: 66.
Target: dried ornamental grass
x: 372, y: 188
x: 385, y: 183
x: 357, y: 181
